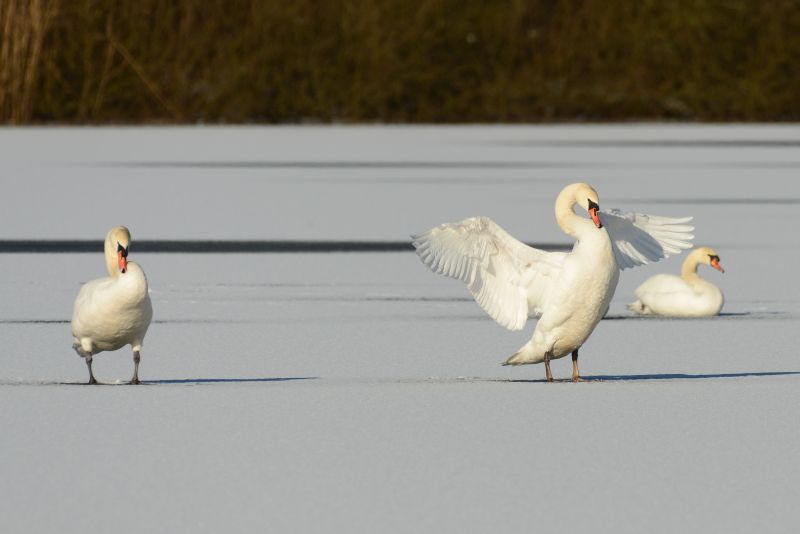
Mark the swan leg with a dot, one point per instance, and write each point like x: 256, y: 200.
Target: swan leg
x: 576, y: 375
x: 88, y: 359
x: 136, y: 358
x: 547, y: 366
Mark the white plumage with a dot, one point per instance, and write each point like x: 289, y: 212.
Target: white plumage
x: 687, y: 295
x: 114, y: 311
x: 507, y: 278
x: 569, y: 291
x: 639, y: 239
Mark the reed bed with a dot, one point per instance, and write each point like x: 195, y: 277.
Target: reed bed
x: 244, y: 61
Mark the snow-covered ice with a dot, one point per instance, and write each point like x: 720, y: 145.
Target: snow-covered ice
x: 362, y: 393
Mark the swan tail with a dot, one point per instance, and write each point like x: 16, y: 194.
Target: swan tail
x: 639, y: 307
x: 80, y: 349
x: 523, y: 356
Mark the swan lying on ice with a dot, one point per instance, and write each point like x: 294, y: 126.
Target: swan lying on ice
x: 686, y: 295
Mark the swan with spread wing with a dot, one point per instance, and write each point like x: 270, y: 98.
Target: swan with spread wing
x: 569, y: 292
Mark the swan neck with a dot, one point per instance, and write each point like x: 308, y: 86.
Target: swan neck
x: 565, y: 214
x: 689, y: 268
x: 111, y: 259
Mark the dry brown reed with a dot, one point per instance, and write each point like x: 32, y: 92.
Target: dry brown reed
x: 24, y: 24
x: 230, y: 61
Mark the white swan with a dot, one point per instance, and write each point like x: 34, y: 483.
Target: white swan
x: 686, y: 295
x: 115, y: 311
x: 569, y: 291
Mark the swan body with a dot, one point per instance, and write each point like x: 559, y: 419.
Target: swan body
x: 569, y: 292
x: 115, y: 311
x: 687, y: 295
x: 570, y: 315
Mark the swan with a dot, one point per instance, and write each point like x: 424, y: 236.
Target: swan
x: 686, y: 295
x: 114, y: 311
x: 569, y: 292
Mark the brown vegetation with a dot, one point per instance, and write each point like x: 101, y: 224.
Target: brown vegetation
x: 23, y: 27
x: 130, y: 61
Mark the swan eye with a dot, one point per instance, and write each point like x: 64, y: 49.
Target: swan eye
x: 593, y: 205
x: 122, y: 249
x: 713, y: 258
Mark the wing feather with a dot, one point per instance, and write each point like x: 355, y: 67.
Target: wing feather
x: 639, y: 239
x: 506, y: 277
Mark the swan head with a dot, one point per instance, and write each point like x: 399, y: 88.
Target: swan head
x: 586, y: 197
x: 118, y: 239
x: 709, y: 256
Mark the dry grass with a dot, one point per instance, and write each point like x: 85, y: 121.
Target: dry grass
x: 24, y: 27
x: 129, y: 61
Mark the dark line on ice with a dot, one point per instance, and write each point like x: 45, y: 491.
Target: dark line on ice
x: 593, y: 378
x: 442, y: 165
x: 714, y: 201
x: 224, y: 246
x: 761, y: 315
x: 34, y: 321
x: 681, y: 376
x: 660, y: 143
x: 227, y: 380
x: 658, y: 376
x: 338, y: 164
x: 157, y: 382
x: 156, y: 321
x: 206, y: 246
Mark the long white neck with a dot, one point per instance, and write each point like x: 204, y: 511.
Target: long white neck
x: 112, y: 262
x: 689, y: 267
x: 567, y: 220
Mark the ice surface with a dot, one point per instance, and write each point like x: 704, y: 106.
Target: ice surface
x: 362, y: 393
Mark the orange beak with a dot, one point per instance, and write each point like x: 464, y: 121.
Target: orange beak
x: 715, y: 264
x: 595, y: 217
x: 123, y: 261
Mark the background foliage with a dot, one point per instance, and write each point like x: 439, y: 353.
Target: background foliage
x: 231, y: 61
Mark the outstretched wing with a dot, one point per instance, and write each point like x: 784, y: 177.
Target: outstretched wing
x: 506, y: 277
x: 639, y: 239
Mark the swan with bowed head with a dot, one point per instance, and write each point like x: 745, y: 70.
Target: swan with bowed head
x: 113, y: 311
x: 569, y: 292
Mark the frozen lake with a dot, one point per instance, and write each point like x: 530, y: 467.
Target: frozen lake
x: 359, y: 392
